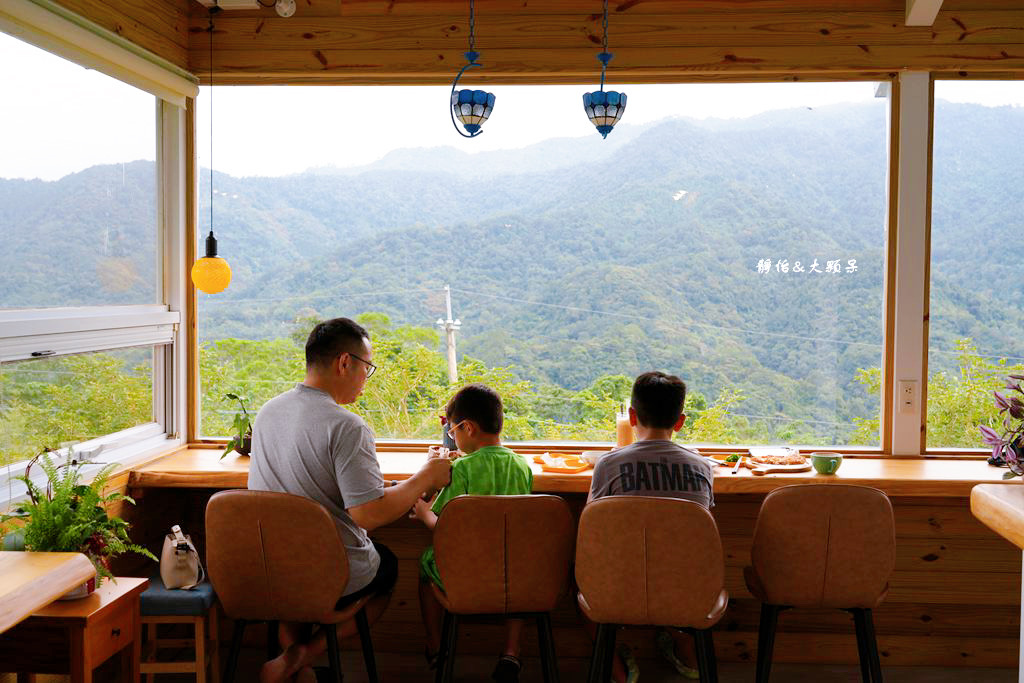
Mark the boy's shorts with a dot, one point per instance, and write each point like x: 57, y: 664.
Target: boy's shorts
x: 383, y: 581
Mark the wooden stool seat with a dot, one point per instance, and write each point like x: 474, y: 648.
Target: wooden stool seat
x: 197, y: 607
x: 822, y: 546
x: 644, y: 561
x: 493, y: 562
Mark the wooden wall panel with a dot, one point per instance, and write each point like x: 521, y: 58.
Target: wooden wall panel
x: 555, y: 42
x: 958, y: 608
x: 160, y: 26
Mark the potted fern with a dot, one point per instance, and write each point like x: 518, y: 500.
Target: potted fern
x: 71, y: 516
x: 241, y: 428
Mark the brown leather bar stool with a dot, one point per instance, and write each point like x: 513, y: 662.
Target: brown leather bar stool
x: 650, y: 562
x: 278, y: 557
x: 822, y: 546
x: 502, y: 556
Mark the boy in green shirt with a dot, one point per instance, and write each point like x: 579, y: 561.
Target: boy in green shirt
x: 487, y: 469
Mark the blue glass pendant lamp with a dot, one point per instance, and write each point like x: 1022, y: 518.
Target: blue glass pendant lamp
x: 471, y: 107
x: 604, y: 109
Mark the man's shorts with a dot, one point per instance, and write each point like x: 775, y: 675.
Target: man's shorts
x: 383, y: 581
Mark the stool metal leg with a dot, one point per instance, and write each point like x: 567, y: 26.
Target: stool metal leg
x: 706, y: 659
x: 862, y: 650
x: 448, y: 669
x: 214, y: 630
x: 546, y: 640
x: 608, y: 653
x: 866, y: 631
x: 331, y: 630
x: 364, y: 638
x: 236, y: 646
x: 442, y: 653
x: 273, y: 640
x: 766, y: 641
x: 597, y: 658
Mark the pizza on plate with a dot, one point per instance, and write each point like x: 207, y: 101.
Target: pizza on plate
x: 787, y: 459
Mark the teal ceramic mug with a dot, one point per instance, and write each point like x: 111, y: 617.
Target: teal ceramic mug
x: 826, y: 463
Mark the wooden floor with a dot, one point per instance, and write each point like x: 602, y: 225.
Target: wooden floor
x: 410, y: 668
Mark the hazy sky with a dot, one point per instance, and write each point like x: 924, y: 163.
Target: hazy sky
x: 58, y: 118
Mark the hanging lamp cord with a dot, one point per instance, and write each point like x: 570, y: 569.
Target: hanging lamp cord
x: 472, y: 30
x: 213, y: 10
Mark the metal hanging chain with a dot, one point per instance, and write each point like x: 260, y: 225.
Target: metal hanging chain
x: 604, y: 43
x: 472, y: 22
x: 605, y: 56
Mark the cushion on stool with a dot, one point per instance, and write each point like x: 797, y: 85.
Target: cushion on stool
x: 160, y: 601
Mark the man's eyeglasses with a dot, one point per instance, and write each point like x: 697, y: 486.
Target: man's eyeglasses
x: 454, y: 428
x: 372, y: 368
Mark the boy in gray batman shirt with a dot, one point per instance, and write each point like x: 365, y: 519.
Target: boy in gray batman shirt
x: 656, y: 466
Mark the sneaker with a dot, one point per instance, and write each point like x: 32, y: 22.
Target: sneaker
x: 507, y: 669
x: 667, y: 649
x: 629, y: 663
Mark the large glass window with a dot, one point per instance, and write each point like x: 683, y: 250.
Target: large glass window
x: 77, y: 185
x: 82, y: 314
x: 731, y: 234
x: 976, y: 289
x: 48, y: 402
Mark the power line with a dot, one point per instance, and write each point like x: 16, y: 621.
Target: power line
x: 312, y: 297
x: 660, y: 321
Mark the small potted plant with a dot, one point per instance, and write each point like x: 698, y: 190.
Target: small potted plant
x: 71, y: 516
x: 1008, y: 446
x: 241, y: 429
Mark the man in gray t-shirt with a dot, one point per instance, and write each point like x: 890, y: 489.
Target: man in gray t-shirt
x: 306, y: 444
x: 656, y: 466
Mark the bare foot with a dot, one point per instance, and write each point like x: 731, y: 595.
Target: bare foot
x: 281, y: 669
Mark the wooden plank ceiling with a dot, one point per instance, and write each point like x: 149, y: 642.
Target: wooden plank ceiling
x: 555, y: 41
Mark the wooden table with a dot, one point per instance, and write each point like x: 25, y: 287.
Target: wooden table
x: 917, y: 477
x: 74, y: 636
x: 1001, y: 508
x: 29, y: 581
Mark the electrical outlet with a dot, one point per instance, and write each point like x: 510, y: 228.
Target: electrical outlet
x: 906, y: 395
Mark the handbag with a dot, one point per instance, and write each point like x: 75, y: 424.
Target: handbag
x: 179, y: 562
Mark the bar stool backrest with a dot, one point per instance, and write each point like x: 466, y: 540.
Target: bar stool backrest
x: 504, y: 554
x: 274, y: 556
x: 649, y: 561
x: 824, y: 545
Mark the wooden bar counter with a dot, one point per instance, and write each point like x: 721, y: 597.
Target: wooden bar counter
x: 953, y: 599
x: 918, y: 477
x: 1001, y: 508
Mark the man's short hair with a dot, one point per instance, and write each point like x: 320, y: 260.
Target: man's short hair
x: 331, y: 338
x: 658, y: 399
x: 479, y: 403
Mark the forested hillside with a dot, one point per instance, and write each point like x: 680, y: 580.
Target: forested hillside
x: 575, y: 261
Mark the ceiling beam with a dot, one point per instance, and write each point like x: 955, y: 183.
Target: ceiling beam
x: 922, y: 12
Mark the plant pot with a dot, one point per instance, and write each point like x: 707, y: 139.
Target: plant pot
x: 82, y: 591
x: 246, y: 446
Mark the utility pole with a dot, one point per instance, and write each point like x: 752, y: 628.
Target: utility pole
x: 450, y: 327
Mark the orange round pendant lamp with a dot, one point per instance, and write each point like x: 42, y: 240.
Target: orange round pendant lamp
x: 211, y: 273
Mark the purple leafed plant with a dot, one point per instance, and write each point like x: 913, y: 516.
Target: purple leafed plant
x: 1008, y: 447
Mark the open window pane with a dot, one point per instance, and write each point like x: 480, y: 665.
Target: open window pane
x: 77, y: 185
x: 731, y: 234
x: 50, y: 401
x: 977, y: 312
